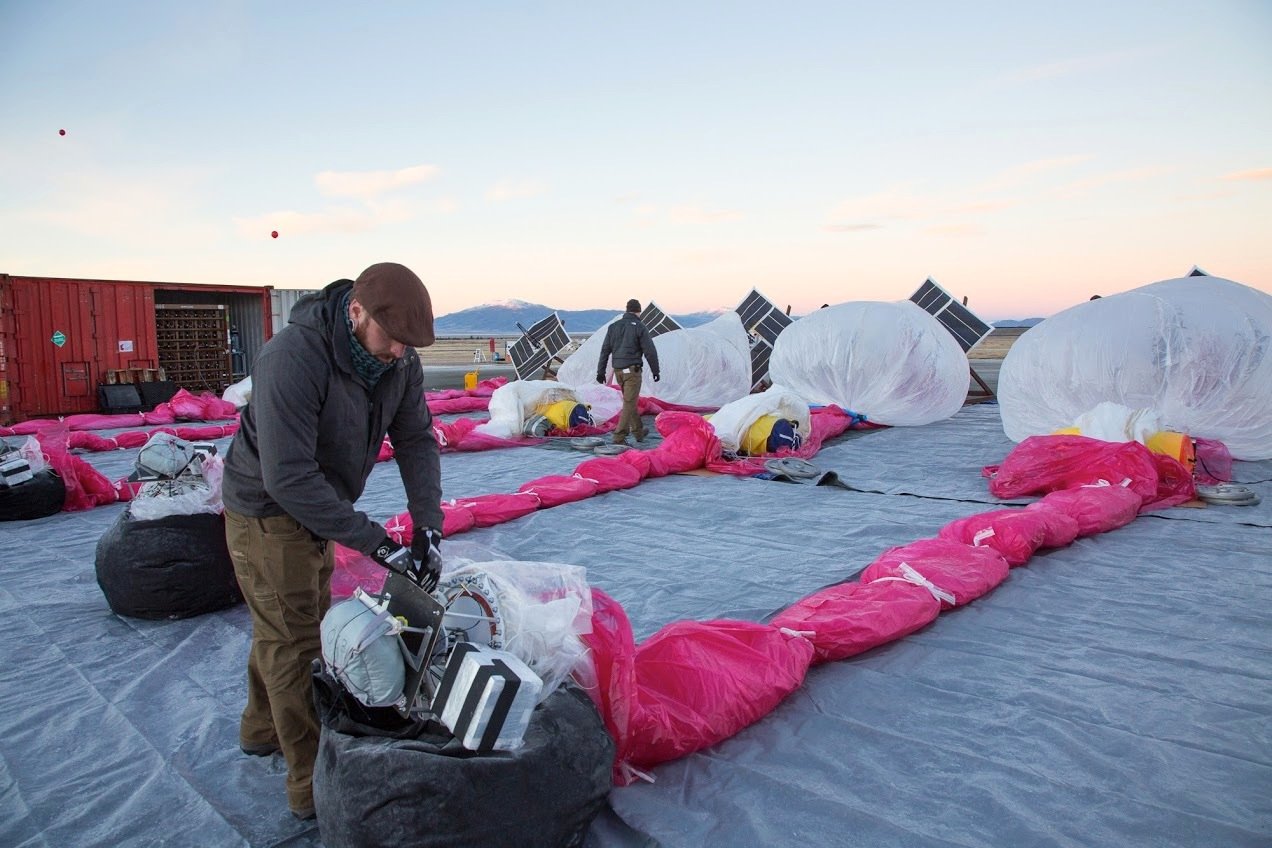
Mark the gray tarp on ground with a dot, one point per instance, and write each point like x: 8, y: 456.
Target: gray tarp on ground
x: 1116, y: 692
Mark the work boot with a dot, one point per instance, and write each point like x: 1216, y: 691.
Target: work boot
x: 640, y: 436
x: 263, y: 749
x: 620, y: 440
x: 304, y: 814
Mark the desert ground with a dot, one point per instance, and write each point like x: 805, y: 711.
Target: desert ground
x: 460, y: 350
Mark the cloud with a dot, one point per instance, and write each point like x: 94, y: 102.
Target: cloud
x: 368, y: 184
x: 126, y: 207
x: 979, y: 206
x: 508, y: 190
x: 899, y: 203
x: 344, y: 220
x: 944, y: 211
x: 1255, y: 174
x: 371, y: 210
x: 685, y: 214
x: 1015, y: 176
x: 690, y: 214
x: 1078, y: 65
x: 851, y: 228
x: 958, y: 230
x: 1128, y: 175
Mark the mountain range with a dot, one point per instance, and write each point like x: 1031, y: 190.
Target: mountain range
x: 502, y: 318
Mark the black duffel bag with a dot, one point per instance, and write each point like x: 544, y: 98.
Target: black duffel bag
x: 381, y: 781
x: 39, y: 497
x: 172, y: 567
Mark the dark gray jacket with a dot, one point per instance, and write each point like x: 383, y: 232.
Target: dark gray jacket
x: 628, y: 340
x: 309, y: 437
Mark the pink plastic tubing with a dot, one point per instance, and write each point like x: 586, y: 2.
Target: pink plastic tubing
x: 183, y: 406
x: 688, y: 686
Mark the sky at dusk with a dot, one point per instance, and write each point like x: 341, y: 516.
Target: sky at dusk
x: 576, y: 154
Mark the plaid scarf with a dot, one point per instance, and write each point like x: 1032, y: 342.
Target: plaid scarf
x: 368, y: 367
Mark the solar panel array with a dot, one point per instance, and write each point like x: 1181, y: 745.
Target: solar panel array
x: 538, y: 346
x: 657, y: 321
x: 763, y: 323
x: 961, y: 322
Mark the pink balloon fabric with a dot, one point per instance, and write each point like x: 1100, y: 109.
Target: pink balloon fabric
x: 688, y: 686
x: 962, y: 571
x: 847, y: 619
x: 1042, y: 464
x: 557, y: 489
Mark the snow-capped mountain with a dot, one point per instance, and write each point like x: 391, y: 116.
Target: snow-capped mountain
x: 502, y: 318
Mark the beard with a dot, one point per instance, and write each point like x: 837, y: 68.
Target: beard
x: 373, y: 339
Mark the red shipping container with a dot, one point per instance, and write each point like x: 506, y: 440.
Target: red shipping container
x: 59, y: 337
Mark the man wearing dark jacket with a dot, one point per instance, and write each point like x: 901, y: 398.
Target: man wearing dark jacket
x: 325, y: 391
x: 630, y: 343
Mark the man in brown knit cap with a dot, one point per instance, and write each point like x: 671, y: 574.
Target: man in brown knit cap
x: 325, y: 391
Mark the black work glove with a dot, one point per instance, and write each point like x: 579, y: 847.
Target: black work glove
x: 656, y: 378
x: 600, y: 377
x: 426, y: 550
x: 398, y: 559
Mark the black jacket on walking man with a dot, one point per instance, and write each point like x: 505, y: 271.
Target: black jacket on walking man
x: 325, y: 391
x: 629, y: 342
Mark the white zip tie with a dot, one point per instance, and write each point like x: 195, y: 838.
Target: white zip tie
x: 919, y: 580
x: 630, y: 771
x: 909, y: 575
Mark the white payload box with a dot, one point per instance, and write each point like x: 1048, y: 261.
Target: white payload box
x: 486, y: 697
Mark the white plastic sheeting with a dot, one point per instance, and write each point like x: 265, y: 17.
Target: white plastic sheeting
x: 733, y: 420
x: 891, y: 362
x: 1197, y: 351
x: 1113, y: 422
x: 546, y: 609
x: 705, y: 366
x: 238, y: 393
x: 512, y: 403
x: 580, y: 368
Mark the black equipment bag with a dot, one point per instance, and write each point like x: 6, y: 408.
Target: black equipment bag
x: 41, y: 496
x: 381, y: 780
x: 172, y: 567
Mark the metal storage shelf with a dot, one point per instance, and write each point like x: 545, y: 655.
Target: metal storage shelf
x: 194, y: 345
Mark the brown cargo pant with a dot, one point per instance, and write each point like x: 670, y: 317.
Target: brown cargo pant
x: 285, y: 575
x: 629, y: 421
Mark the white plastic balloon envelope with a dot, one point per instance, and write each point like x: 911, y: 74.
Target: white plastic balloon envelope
x: 1195, y: 351
x: 891, y: 362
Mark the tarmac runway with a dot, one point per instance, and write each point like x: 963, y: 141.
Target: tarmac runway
x: 438, y: 377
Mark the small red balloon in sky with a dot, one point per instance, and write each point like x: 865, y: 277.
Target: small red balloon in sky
x: 61, y: 132
x: 273, y: 234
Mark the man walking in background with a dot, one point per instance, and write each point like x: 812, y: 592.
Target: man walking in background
x: 630, y: 343
x: 326, y: 390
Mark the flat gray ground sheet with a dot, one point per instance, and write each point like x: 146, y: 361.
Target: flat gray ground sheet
x: 1117, y: 692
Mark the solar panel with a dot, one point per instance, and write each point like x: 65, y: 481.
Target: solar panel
x: 657, y: 321
x: 761, y: 316
x: 538, y: 346
x: 763, y: 323
x: 961, y: 322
